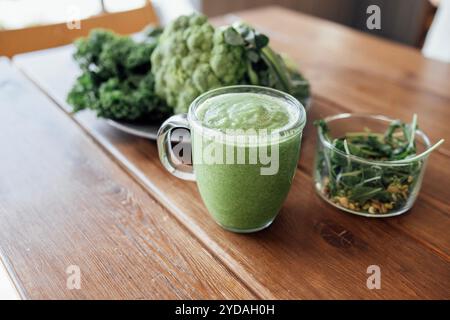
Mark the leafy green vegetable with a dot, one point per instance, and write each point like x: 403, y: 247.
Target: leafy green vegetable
x: 359, y: 185
x: 116, y: 81
x: 128, y: 80
x: 267, y: 68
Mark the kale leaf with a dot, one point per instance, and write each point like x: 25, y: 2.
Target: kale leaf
x: 116, y: 80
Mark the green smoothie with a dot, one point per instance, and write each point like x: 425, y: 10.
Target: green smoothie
x: 236, y: 193
x: 244, y: 111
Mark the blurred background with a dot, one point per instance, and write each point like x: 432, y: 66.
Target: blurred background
x: 405, y: 21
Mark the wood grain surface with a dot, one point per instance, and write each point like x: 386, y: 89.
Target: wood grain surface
x: 312, y: 250
x: 63, y: 202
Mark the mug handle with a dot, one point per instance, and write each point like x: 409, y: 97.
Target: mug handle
x: 165, y: 151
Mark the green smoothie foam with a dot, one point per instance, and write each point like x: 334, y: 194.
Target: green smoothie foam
x: 237, y: 195
x: 244, y: 111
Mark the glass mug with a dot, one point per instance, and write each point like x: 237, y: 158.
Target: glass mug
x: 243, y: 177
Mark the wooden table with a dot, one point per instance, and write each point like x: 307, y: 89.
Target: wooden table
x: 74, y: 191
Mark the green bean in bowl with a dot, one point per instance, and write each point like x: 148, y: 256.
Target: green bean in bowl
x: 370, y: 165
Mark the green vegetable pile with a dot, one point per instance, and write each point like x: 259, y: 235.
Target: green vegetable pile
x: 124, y: 79
x: 116, y: 80
x: 368, y: 187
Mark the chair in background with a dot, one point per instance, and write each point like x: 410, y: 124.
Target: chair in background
x: 47, y: 36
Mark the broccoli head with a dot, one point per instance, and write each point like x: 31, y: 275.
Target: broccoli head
x: 191, y: 58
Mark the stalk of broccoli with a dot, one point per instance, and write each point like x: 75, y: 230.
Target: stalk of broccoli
x: 192, y: 57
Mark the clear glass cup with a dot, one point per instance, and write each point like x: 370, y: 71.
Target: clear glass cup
x: 379, y: 188
x: 240, y: 196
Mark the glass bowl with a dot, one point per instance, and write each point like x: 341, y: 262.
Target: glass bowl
x: 361, y: 186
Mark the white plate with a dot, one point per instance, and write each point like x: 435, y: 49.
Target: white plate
x: 150, y: 131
